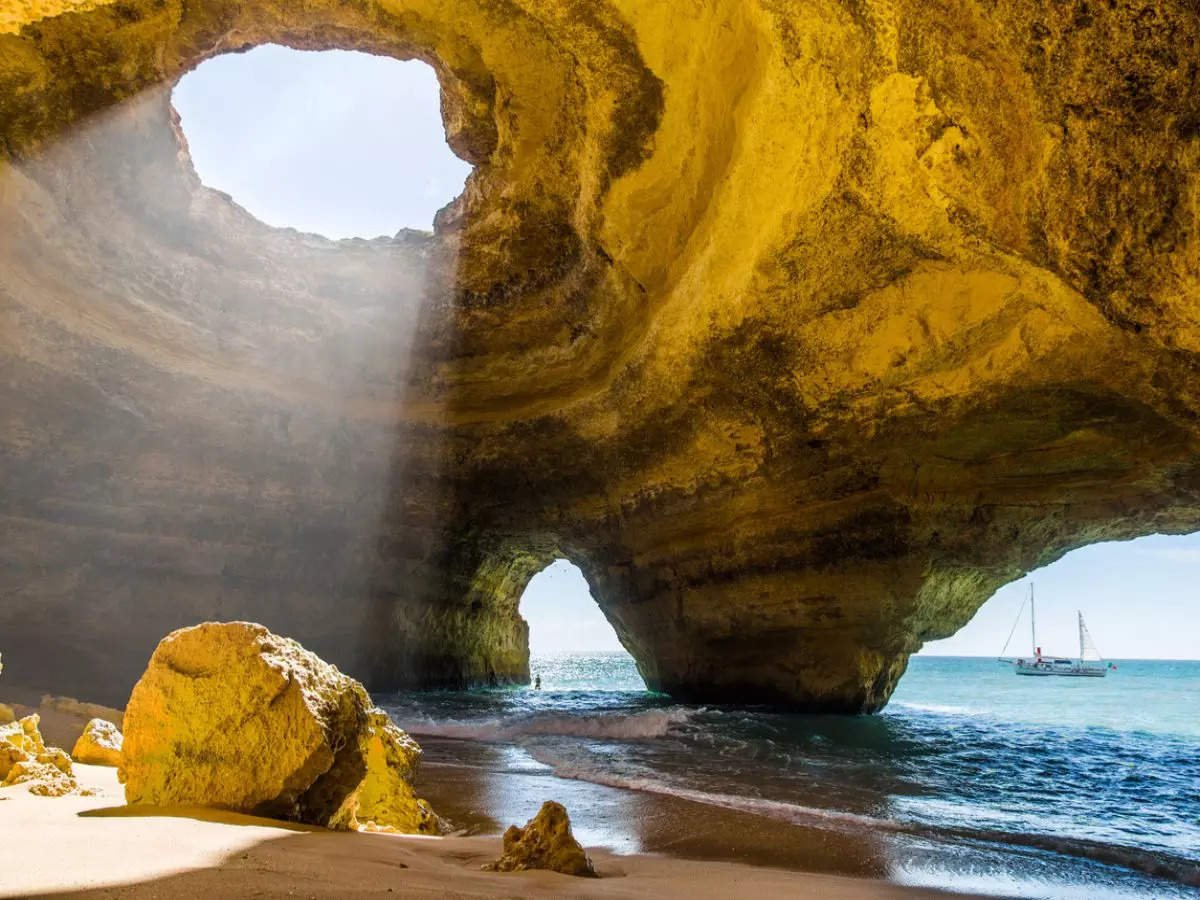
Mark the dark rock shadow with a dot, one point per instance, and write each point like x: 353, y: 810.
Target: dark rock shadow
x: 200, y: 813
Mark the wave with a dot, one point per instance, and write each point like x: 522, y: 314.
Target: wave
x: 779, y: 809
x: 938, y: 708
x: 645, y: 725
x: 1161, y: 865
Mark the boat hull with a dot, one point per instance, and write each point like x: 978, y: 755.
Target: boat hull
x: 1048, y: 670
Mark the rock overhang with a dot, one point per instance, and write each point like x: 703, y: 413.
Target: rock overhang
x: 799, y: 326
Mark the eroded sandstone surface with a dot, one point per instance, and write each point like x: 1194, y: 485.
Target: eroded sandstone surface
x: 231, y: 716
x: 799, y: 326
x: 25, y: 758
x: 545, y: 842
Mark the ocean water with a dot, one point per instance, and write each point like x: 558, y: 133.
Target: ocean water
x: 976, y: 779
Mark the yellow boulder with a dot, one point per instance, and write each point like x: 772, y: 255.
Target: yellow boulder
x: 545, y: 842
x: 229, y: 715
x: 99, y: 745
x: 23, y: 736
x: 25, y: 759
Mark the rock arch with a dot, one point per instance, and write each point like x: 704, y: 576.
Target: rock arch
x: 803, y: 325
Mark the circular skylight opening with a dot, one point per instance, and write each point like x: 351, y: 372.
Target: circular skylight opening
x: 338, y: 143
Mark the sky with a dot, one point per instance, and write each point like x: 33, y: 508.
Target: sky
x: 335, y: 142
x: 347, y: 144
x: 562, y: 615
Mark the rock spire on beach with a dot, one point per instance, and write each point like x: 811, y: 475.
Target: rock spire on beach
x: 231, y: 716
x: 545, y: 842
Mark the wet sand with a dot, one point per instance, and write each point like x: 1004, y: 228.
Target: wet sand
x: 96, y: 847
x: 459, y: 779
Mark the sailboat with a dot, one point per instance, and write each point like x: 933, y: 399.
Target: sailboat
x: 1082, y: 666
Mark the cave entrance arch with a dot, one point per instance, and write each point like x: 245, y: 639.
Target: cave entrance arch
x: 1140, y: 603
x: 339, y: 143
x: 1113, y: 584
x: 572, y: 645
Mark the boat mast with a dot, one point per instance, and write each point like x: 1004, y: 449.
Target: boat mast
x: 1079, y: 613
x: 1032, y: 624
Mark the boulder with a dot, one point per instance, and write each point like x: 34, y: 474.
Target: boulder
x: 231, y: 716
x: 25, y: 759
x: 545, y: 842
x: 99, y: 745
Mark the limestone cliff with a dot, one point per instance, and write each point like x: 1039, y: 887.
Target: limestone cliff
x: 799, y: 326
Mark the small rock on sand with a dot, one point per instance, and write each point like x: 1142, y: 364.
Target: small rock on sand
x: 25, y: 759
x: 99, y: 745
x: 545, y: 842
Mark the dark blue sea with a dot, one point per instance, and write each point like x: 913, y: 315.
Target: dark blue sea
x: 977, y: 779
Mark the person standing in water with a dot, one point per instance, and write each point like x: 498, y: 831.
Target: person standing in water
x: 537, y: 682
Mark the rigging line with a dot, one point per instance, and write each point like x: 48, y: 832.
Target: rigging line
x: 1016, y: 622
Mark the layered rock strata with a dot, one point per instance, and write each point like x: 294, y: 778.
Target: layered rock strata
x: 231, y: 716
x: 800, y: 326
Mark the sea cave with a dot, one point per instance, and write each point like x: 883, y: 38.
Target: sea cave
x: 799, y: 327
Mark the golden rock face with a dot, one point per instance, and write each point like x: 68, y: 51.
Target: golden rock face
x: 799, y: 326
x: 231, y: 716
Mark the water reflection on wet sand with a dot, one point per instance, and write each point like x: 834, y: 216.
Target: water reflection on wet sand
x: 484, y: 788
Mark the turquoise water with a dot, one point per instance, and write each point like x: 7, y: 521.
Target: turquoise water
x: 978, y: 779
x: 1157, y: 696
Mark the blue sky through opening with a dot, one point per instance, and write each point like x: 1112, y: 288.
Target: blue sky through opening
x: 337, y: 143
x: 562, y: 616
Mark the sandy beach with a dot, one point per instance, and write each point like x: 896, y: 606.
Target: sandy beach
x: 95, y: 846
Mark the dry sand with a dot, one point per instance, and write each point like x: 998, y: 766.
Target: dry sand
x: 94, y: 846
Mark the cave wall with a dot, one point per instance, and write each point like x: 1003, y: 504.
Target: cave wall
x: 801, y: 327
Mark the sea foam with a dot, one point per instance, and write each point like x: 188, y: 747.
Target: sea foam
x: 643, y: 725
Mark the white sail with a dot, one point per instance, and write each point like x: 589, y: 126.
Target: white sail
x: 1087, y: 647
